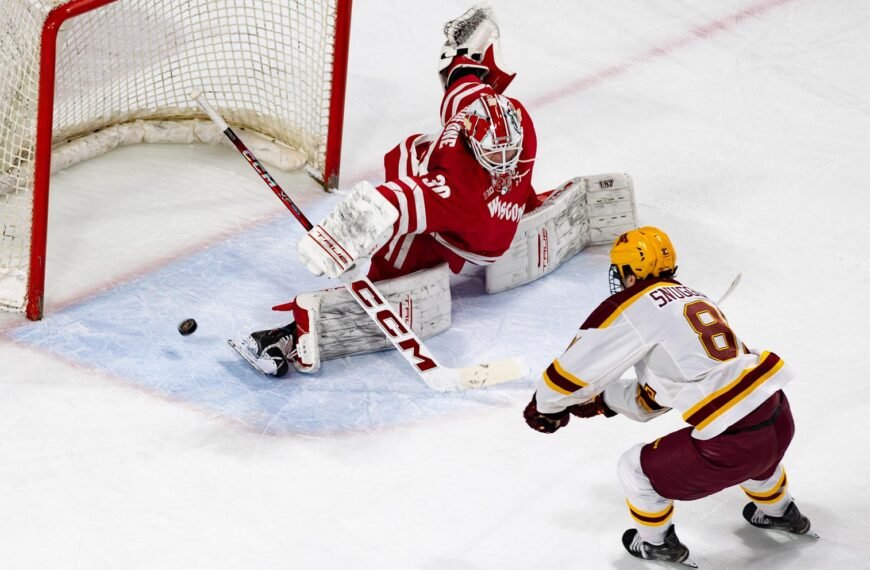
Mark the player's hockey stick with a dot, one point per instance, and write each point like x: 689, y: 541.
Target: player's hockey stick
x: 730, y: 288
x: 435, y: 375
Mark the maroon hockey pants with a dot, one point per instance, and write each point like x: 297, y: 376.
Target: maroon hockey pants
x: 684, y: 468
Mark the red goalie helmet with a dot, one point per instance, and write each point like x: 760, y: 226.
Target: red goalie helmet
x: 494, y: 130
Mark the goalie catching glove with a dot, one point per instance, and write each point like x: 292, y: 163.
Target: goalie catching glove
x: 472, y: 46
x: 341, y: 246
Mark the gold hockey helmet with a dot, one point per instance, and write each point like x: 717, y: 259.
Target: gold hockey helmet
x: 645, y: 252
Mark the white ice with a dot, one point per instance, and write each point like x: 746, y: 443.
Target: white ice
x: 744, y: 124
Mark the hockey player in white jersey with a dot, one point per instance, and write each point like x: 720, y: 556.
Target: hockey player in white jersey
x: 686, y: 357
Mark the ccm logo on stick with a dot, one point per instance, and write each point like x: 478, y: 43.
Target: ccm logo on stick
x: 367, y: 296
x: 425, y: 363
x: 264, y: 174
x: 392, y: 325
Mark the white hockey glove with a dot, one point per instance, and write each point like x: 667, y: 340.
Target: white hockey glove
x: 472, y: 44
x: 341, y: 246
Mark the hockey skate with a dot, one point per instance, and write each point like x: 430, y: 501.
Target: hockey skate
x: 269, y: 351
x: 791, y: 521
x: 672, y: 550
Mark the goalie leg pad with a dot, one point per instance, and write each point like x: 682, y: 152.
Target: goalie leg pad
x: 551, y: 233
x: 590, y: 210
x: 610, y: 207
x: 305, y: 311
x: 338, y: 326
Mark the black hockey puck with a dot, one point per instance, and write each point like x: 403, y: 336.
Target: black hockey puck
x: 187, y: 327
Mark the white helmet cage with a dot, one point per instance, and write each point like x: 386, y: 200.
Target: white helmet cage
x: 494, y: 129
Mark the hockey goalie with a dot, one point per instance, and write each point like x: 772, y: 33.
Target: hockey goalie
x: 450, y: 198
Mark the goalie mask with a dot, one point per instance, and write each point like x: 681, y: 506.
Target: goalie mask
x: 494, y: 131
x: 645, y: 252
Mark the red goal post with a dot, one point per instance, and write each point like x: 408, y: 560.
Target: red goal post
x: 80, y: 77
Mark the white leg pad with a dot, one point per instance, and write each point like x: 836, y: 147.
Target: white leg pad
x: 307, y: 351
x: 583, y: 211
x: 610, y: 207
x: 340, y: 327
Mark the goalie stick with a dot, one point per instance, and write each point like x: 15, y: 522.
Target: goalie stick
x: 407, y: 343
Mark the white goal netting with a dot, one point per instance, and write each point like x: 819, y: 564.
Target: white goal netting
x: 124, y: 74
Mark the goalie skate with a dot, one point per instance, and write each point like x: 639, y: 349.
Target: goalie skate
x: 268, y: 351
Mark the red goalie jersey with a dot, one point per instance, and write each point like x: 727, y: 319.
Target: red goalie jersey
x: 451, y: 207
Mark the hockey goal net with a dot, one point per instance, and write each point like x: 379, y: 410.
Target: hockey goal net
x: 80, y: 77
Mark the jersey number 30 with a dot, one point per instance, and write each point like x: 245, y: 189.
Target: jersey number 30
x: 713, y: 331
x: 438, y: 185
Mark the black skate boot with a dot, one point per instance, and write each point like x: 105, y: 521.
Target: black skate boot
x: 672, y: 550
x: 791, y: 521
x: 269, y: 351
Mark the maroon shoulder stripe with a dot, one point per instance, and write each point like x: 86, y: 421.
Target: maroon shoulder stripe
x: 615, y: 301
x: 710, y: 407
x: 600, y: 314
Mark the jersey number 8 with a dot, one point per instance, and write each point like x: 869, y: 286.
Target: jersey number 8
x: 713, y: 331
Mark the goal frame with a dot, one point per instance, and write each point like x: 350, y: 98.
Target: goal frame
x: 45, y: 119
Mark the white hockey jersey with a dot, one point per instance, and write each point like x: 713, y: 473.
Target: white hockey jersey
x: 684, y: 353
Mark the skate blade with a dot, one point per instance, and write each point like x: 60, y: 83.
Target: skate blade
x: 689, y: 562
x: 809, y: 534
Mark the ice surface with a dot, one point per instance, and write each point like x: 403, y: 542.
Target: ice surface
x: 744, y: 125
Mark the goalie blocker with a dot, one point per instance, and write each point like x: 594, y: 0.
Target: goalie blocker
x: 589, y: 210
